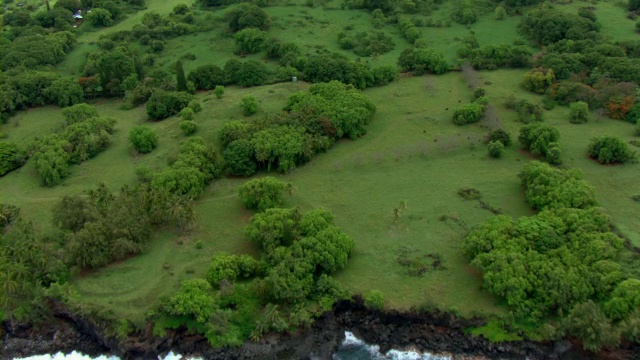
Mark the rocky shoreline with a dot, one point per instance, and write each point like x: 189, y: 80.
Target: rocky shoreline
x: 434, y: 332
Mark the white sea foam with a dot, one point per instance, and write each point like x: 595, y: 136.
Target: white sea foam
x: 354, y: 348
x: 78, y: 356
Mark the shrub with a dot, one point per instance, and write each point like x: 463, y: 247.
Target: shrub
x: 247, y: 16
x: 610, y: 149
x: 421, y: 60
x: 188, y: 127
x: 500, y: 13
x: 468, y: 113
x: 219, y: 91
x: 187, y: 113
x: 207, y: 77
x: 231, y: 267
x: 539, y: 138
x: 249, y: 105
x: 538, y: 80
x: 262, y: 194
x: 163, y: 104
x: 250, y: 41
x: 195, y: 106
x: 181, y: 9
x: 78, y: 113
x: 579, y: 112
x: 496, y: 148
x: 373, y: 299
x: 499, y: 135
x: 143, y: 139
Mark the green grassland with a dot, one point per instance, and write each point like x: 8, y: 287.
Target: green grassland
x: 412, y: 152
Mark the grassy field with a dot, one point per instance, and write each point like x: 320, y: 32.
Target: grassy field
x: 412, y: 152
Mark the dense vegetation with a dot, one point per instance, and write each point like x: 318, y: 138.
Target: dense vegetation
x: 215, y: 88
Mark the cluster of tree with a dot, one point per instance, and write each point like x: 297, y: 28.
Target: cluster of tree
x: 235, y: 72
x: 541, y: 140
x: 104, y: 227
x: 317, y: 117
x: 327, y: 67
x: 420, y: 59
x: 470, y: 113
x: 22, y: 88
x: 549, y: 188
x: 31, y: 51
x: 298, y: 248
x: 366, y: 43
x: 29, y: 263
x: 579, y: 112
x: 610, y: 150
x: 247, y: 16
x: 563, y: 262
x: 497, y: 141
x: 11, y: 157
x: 250, y: 41
x: 491, y: 57
x: 78, y: 142
x: 263, y: 193
x: 546, y: 26
x: 194, y: 167
x: 464, y: 13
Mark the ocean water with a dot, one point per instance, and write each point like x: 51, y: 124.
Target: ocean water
x: 351, y: 348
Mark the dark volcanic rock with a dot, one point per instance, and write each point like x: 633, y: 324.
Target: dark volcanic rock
x: 435, y: 332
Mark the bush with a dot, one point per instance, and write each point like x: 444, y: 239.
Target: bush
x: 610, y: 149
x: 163, y: 104
x: 195, y: 106
x: 538, y: 80
x: 187, y: 113
x: 143, y: 139
x: 247, y: 16
x: 540, y: 139
x: 496, y: 148
x: 579, y: 112
x: 249, y: 105
x: 468, y: 113
x: 250, y: 41
x: 78, y: 113
x: 181, y: 9
x: 207, y: 77
x: 373, y: 299
x: 219, y: 91
x: 188, y: 127
x: 499, y: 135
x: 231, y: 267
x: 262, y: 194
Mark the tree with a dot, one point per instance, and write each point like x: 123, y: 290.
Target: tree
x: 499, y: 135
x: 624, y: 300
x: 250, y: 40
x: 100, y: 17
x: 249, y: 105
x: 239, y: 158
x: 500, y: 13
x: 262, y: 194
x: 143, y: 139
x: 539, y: 138
x: 468, y: 113
x: 587, y: 322
x: 181, y: 81
x: 610, y: 150
x: 422, y: 59
x: 195, y: 299
x: 252, y: 73
x: 65, y: 92
x: 579, y: 112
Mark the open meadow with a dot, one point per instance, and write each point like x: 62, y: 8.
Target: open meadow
x: 396, y: 190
